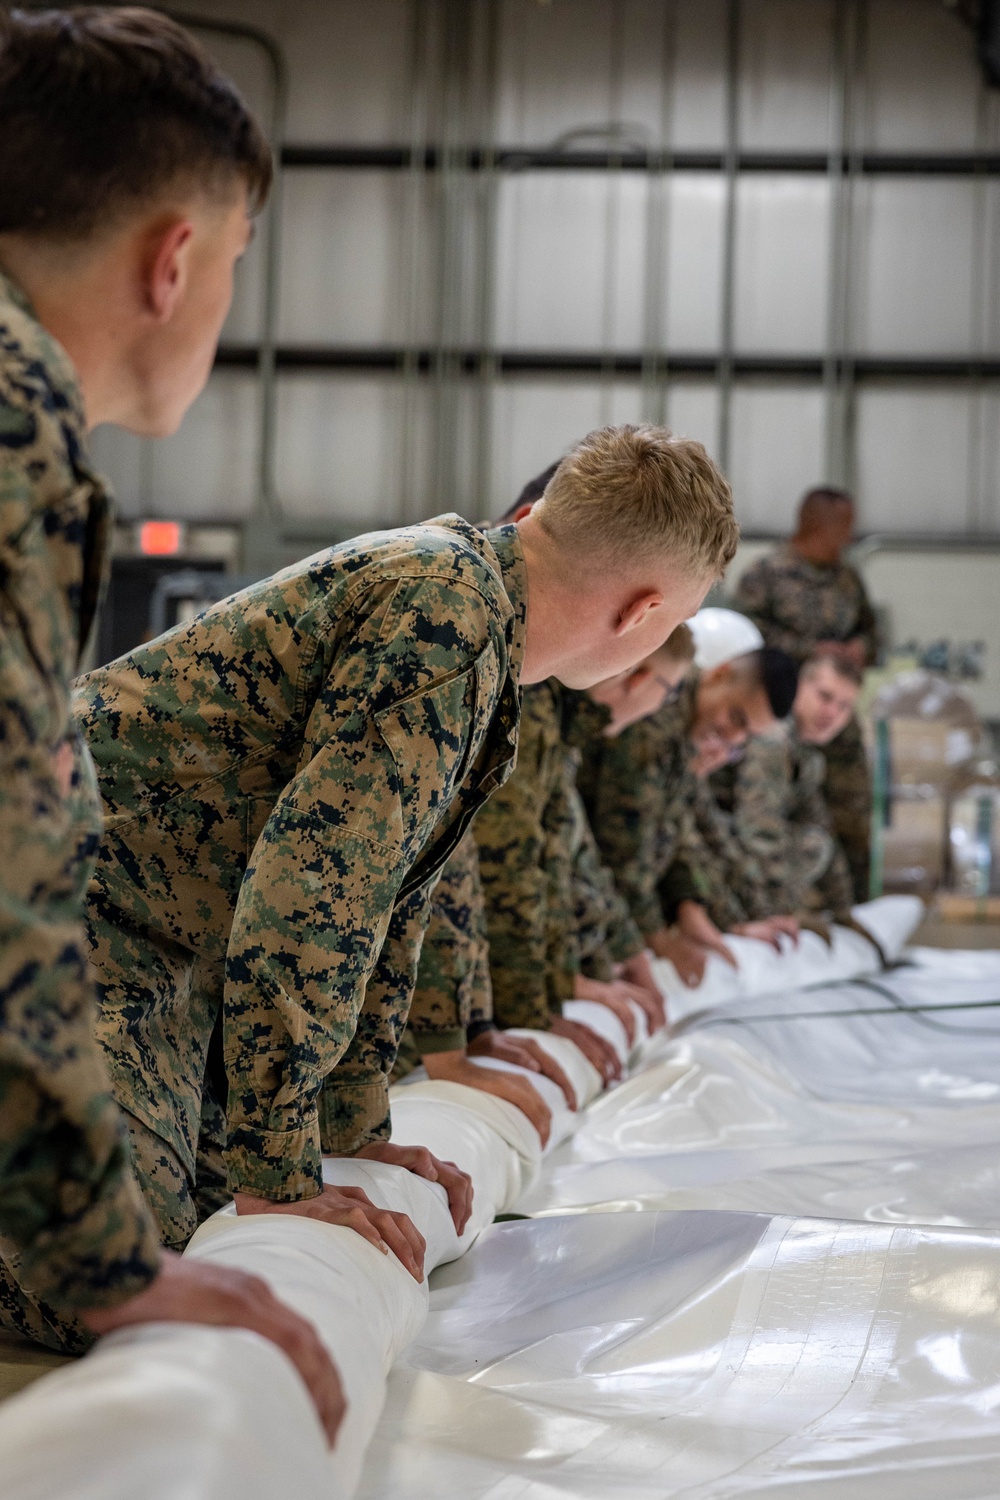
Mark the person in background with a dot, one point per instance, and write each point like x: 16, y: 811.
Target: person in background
x: 805, y: 598
x: 130, y: 171
x: 774, y: 800
x: 643, y: 795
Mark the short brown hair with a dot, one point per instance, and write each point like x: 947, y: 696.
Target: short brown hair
x: 103, y: 109
x: 678, y: 648
x: 626, y: 493
x: 842, y: 665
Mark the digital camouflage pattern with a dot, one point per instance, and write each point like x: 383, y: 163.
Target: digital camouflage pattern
x: 637, y: 789
x: 74, y: 1225
x: 606, y: 932
x: 453, y: 988
x: 283, y: 779
x: 729, y: 881
x: 797, y: 604
x: 524, y: 839
x: 848, y: 791
x: 780, y: 815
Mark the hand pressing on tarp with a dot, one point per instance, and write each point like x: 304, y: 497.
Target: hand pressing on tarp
x: 637, y: 974
x: 352, y: 1209
x: 423, y: 1163
x: 456, y: 1067
x: 189, y: 1291
x: 599, y: 1053
x: 523, y: 1052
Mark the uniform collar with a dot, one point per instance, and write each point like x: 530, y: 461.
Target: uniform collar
x: 15, y: 308
x: 11, y: 292
x: 824, y: 570
x: 506, y: 544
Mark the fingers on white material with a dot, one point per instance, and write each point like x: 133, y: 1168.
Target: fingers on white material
x: 226, y: 1409
x: 164, y: 1410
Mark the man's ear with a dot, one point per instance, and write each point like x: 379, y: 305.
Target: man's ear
x: 166, y: 268
x: 635, y: 612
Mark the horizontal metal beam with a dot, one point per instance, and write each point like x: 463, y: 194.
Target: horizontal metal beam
x: 628, y: 364
x: 637, y: 159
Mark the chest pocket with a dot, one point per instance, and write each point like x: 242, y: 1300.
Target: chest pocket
x: 432, y: 736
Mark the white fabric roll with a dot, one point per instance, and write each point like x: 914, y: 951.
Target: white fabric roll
x: 214, y: 1414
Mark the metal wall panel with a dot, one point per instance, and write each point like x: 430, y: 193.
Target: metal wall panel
x: 204, y: 472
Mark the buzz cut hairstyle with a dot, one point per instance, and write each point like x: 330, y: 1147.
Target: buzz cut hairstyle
x: 775, y: 673
x: 104, y: 110
x: 816, y: 504
x: 679, y: 647
x: 843, y: 667
x: 628, y: 494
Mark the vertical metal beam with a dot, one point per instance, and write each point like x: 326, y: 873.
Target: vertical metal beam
x: 486, y: 262
x: 421, y: 44
x: 845, y: 152
x: 612, y: 207
x: 728, y: 292
x: 978, y: 312
x: 658, y: 181
x: 452, y: 185
x: 262, y: 536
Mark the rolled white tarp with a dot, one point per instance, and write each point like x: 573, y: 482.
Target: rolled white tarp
x: 171, y: 1410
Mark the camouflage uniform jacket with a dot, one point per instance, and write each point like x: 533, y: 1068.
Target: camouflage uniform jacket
x: 795, y: 603
x: 453, y: 988
x: 636, y: 788
x: 780, y: 815
x: 67, y: 1198
x: 282, y: 780
x: 523, y: 835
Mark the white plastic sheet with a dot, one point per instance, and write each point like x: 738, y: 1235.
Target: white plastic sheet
x: 232, y: 1412
x: 644, y: 1356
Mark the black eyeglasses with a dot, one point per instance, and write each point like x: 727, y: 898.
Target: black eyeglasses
x: 673, y: 691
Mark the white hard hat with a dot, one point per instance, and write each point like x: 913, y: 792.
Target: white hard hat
x: 720, y: 635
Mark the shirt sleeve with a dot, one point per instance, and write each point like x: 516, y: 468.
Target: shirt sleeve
x: 401, y: 717
x: 512, y: 835
x: 453, y: 981
x: 68, y: 1199
x: 867, y: 627
x: 608, y: 932
x: 760, y: 815
x: 354, y: 1101
x: 632, y: 824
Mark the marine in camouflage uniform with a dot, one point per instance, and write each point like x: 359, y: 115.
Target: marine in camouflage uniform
x: 75, y: 1229
x: 525, y: 863
x: 453, y: 995
x: 656, y: 826
x: 551, y: 908
x: 796, y: 604
x: 283, y: 779
x: 774, y: 796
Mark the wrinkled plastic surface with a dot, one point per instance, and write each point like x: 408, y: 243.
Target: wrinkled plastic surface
x: 701, y: 1354
x: 599, y: 1353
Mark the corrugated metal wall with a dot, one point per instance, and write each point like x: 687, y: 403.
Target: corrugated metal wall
x: 833, y: 338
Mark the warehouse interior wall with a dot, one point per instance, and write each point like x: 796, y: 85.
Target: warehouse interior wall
x: 772, y: 224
